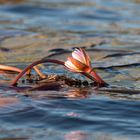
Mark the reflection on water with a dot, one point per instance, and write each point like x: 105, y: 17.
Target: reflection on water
x: 62, y: 114
x: 10, y: 1
x: 109, y: 30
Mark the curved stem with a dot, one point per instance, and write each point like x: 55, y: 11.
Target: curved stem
x: 14, y: 82
x: 91, y: 75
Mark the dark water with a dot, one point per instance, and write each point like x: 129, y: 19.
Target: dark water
x: 110, y: 32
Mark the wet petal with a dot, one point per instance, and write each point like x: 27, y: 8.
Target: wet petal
x: 78, y: 57
x: 71, y: 66
x: 81, y: 66
x: 86, y: 56
x: 82, y: 56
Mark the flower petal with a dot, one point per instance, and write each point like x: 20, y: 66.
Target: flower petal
x: 80, y: 66
x: 71, y: 66
x: 78, y: 55
x: 86, y: 56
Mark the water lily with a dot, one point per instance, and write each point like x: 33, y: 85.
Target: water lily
x: 80, y: 63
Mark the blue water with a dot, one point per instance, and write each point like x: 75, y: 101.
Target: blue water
x: 71, y: 114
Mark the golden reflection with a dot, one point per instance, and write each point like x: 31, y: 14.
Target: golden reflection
x: 76, y: 135
x: 78, y: 93
x: 7, y: 101
x: 80, y: 135
x: 137, y: 1
x: 11, y: 1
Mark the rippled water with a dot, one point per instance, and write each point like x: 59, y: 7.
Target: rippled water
x: 109, y: 30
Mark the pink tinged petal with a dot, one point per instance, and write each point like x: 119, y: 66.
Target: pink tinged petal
x: 87, y: 58
x: 71, y: 66
x: 83, y: 55
x: 81, y: 66
x: 78, y: 51
x: 78, y: 55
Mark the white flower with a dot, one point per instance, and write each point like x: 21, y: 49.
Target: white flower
x: 80, y: 63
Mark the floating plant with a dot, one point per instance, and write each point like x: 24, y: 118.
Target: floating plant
x: 78, y: 63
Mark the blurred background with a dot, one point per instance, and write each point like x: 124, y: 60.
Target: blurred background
x: 67, y: 23
x: 109, y: 30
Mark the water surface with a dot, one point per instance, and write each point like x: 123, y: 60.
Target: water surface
x: 109, y: 31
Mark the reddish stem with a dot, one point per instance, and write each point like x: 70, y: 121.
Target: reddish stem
x: 32, y: 65
x: 95, y: 77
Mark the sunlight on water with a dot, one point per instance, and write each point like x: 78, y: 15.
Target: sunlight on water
x: 109, y: 31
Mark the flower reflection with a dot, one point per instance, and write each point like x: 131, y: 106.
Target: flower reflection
x: 76, y: 135
x: 78, y: 93
x: 8, y: 101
